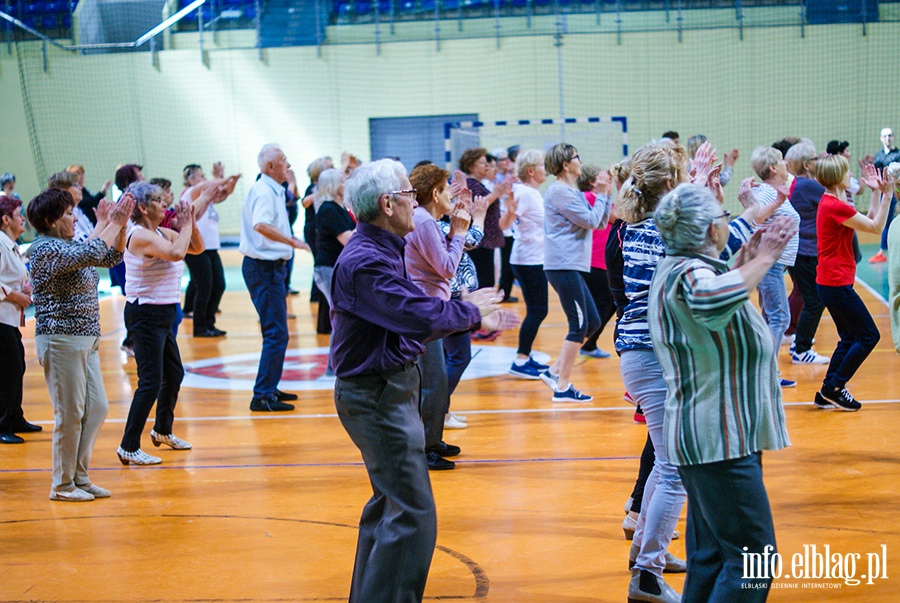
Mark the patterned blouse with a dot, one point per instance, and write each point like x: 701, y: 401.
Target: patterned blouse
x: 64, y: 280
x: 493, y: 236
x: 465, y: 274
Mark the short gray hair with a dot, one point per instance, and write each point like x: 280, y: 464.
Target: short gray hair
x: 368, y: 183
x: 526, y: 160
x: 268, y: 153
x: 327, y: 186
x: 683, y: 217
x: 143, y: 193
x: 798, y: 155
x: 764, y: 159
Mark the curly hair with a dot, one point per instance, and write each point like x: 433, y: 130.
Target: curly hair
x: 426, y: 179
x: 655, y: 169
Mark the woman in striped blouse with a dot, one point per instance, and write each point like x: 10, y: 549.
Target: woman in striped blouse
x: 723, y: 406
x: 154, y: 263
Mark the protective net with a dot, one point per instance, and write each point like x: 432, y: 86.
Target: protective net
x: 745, y: 74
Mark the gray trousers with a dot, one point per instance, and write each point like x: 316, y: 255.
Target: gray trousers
x: 435, y: 392
x: 398, y: 527
x: 72, y: 371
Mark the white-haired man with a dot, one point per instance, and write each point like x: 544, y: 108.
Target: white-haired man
x: 267, y: 245
x: 381, y: 320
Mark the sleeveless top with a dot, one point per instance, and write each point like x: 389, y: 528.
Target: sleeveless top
x: 151, y: 281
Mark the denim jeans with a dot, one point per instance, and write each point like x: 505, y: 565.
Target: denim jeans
x: 457, y: 355
x: 804, y: 273
x: 265, y: 282
x: 728, y: 510
x: 533, y: 283
x: 159, y: 370
x: 664, y: 494
x: 857, y: 331
x: 774, y: 302
x: 435, y: 396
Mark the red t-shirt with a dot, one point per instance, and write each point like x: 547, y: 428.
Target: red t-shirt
x: 837, y: 267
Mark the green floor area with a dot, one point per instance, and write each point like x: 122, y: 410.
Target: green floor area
x: 874, y: 275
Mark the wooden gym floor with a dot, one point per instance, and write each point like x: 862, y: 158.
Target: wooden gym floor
x: 264, y: 508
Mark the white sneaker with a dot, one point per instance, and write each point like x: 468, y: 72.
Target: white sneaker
x: 171, y: 440
x: 95, y: 490
x: 138, y: 457
x: 458, y: 417
x: 810, y: 356
x: 75, y: 495
x: 450, y: 422
x: 788, y: 339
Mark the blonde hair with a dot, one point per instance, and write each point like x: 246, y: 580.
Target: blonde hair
x: 528, y: 160
x: 798, y: 155
x: 656, y: 168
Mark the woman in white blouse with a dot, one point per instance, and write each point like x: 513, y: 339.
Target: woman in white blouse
x: 15, y: 296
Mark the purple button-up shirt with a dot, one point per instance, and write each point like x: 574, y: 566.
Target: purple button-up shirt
x: 381, y: 319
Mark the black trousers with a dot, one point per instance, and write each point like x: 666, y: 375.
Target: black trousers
x: 12, y: 373
x: 506, y: 272
x: 159, y: 370
x: 205, y: 289
x: 598, y: 284
x: 484, y: 266
x: 804, y: 274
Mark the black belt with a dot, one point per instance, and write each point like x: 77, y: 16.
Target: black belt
x: 274, y: 262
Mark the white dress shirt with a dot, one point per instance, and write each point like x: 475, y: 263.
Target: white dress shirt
x: 264, y: 204
x: 13, y: 277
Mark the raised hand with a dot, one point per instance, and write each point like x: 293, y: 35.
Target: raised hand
x: 459, y: 176
x: 731, y: 158
x: 459, y: 221
x: 218, y: 170
x: 715, y: 185
x: 888, y: 182
x: 871, y: 177
x: 455, y: 188
x: 479, y: 208
x: 603, y: 184
x: 776, y: 236
x: 745, y: 193
x: 103, y: 210
x: 122, y: 211
x: 184, y: 213
x: 702, y: 164
x: 512, y: 204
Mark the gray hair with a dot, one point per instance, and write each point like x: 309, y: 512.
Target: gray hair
x: 368, y: 183
x: 764, y: 159
x: 798, y: 155
x: 143, y: 193
x: 526, y: 160
x: 327, y: 186
x: 268, y: 153
x: 683, y: 217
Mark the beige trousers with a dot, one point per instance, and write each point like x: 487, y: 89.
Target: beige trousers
x: 72, y: 371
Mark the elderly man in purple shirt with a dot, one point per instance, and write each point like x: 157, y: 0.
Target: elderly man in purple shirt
x: 381, y: 321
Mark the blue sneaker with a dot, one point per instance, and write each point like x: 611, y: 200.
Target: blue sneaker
x: 571, y: 395
x: 537, y: 365
x: 788, y: 383
x: 595, y: 353
x: 525, y: 371
x: 550, y: 379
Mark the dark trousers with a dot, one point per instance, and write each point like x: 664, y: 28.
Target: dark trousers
x: 205, y: 289
x: 728, y: 510
x: 598, y: 284
x: 12, y: 374
x: 457, y: 356
x: 484, y: 266
x: 533, y: 283
x: 887, y: 225
x: 576, y: 302
x: 648, y: 457
x: 398, y: 526
x: 159, y: 370
x: 265, y: 282
x: 857, y: 331
x: 506, y: 272
x: 435, y: 393
x: 804, y: 274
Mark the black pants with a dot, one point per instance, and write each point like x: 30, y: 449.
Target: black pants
x: 506, y: 272
x: 12, y: 373
x: 598, y: 285
x: 804, y: 274
x: 484, y: 266
x: 533, y: 283
x: 159, y: 370
x: 205, y: 289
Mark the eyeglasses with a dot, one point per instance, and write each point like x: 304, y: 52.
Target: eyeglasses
x: 411, y: 192
x: 574, y: 157
x: 725, y: 215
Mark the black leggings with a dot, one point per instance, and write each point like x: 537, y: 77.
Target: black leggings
x: 533, y: 282
x: 598, y: 284
x: 576, y: 302
x: 205, y: 289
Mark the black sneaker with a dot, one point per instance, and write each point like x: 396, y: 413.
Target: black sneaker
x: 445, y: 449
x: 285, y: 396
x: 821, y: 402
x: 438, y: 463
x: 269, y: 404
x: 840, y: 399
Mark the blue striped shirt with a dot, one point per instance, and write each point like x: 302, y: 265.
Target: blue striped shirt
x: 642, y: 249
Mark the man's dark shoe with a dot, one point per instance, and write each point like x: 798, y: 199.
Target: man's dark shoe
x: 11, y: 438
x: 436, y: 463
x: 26, y: 427
x: 285, y: 396
x: 209, y: 333
x: 269, y: 404
x: 444, y: 449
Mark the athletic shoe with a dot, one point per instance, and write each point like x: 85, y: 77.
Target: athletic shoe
x: 840, y: 399
x: 95, y: 490
x: 821, y: 402
x: 595, y: 353
x: 639, y: 418
x: 529, y: 370
x: 571, y: 395
x: 878, y: 258
x: 788, y: 339
x: 809, y: 357
x: 627, y: 397
x: 788, y: 383
x: 458, y: 417
x: 550, y: 379
x: 451, y: 422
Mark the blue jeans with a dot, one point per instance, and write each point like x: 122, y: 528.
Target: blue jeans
x: 887, y: 225
x: 663, y: 493
x: 857, y: 331
x: 457, y: 355
x: 728, y: 510
x: 265, y: 281
x: 774, y: 301
x: 533, y: 283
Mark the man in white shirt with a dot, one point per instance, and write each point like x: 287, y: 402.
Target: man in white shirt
x: 267, y: 245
